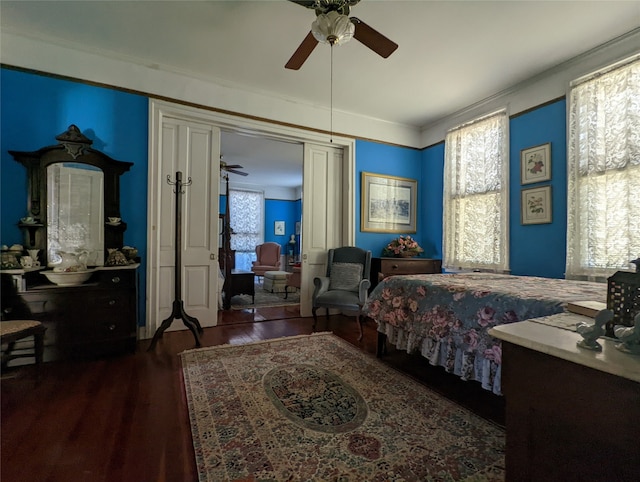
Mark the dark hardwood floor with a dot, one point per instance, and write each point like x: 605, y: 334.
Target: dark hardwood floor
x: 125, y: 418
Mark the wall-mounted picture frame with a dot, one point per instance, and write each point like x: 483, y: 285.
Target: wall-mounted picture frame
x: 388, y: 204
x: 536, y: 206
x: 297, y: 228
x: 278, y: 228
x: 535, y: 164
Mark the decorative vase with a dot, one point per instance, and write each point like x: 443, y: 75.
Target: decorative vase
x: 407, y: 254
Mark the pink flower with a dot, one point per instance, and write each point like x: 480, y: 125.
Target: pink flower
x: 494, y: 353
x: 485, y: 316
x: 471, y: 339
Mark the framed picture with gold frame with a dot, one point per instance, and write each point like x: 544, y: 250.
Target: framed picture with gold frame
x: 388, y: 204
x: 536, y: 205
x: 535, y: 164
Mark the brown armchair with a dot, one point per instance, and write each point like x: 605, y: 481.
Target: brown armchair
x: 268, y: 255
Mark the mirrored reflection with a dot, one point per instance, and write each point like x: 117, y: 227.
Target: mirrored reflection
x: 75, y: 194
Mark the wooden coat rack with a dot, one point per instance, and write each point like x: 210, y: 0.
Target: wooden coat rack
x: 178, y: 311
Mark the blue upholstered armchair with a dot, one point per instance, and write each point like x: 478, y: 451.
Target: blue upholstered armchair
x: 346, y: 285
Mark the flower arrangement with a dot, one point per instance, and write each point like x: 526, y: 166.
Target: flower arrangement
x: 402, y: 246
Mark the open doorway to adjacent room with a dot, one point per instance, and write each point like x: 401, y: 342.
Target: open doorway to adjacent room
x: 265, y: 206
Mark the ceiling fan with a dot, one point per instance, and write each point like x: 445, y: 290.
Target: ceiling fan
x: 334, y: 26
x: 233, y: 168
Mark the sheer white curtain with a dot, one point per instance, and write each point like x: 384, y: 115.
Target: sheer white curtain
x: 246, y: 210
x: 476, y: 197
x: 603, y: 170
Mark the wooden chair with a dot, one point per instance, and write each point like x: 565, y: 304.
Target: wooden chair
x: 14, y: 330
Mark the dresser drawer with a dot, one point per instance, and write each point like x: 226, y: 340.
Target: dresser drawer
x: 383, y: 267
x: 96, y: 318
x: 391, y: 266
x: 116, y: 278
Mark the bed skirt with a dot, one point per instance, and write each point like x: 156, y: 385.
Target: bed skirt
x: 468, y: 365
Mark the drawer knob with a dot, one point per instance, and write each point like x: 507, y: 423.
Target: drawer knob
x: 112, y: 327
x: 115, y: 279
x: 112, y: 302
x: 395, y: 266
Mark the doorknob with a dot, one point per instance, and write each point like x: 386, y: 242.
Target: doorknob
x: 212, y: 256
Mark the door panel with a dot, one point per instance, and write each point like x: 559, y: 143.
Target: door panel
x: 322, y: 200
x: 192, y: 148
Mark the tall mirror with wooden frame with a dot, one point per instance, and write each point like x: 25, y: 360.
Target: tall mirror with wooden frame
x: 73, y: 199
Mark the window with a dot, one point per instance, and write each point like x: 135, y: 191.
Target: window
x: 246, y: 220
x: 476, y: 197
x: 603, y: 170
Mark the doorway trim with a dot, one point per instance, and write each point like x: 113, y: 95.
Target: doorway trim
x: 259, y: 128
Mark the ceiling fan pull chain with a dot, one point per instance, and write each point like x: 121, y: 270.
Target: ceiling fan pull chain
x: 331, y: 107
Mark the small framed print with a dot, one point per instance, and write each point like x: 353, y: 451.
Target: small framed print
x: 297, y: 227
x: 279, y: 228
x: 536, y: 205
x: 535, y: 164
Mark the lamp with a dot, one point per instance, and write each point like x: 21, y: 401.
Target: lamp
x: 332, y: 28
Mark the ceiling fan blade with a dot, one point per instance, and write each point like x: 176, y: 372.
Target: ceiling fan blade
x: 305, y: 3
x: 373, y: 39
x: 237, y: 172
x: 226, y: 166
x: 302, y: 53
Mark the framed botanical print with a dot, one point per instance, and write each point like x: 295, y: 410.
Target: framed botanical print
x: 536, y: 205
x: 279, y: 228
x: 535, y: 164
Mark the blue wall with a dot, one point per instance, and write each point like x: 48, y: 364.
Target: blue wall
x: 280, y: 210
x: 535, y: 250
x: 539, y: 249
x: 36, y: 108
x: 391, y: 161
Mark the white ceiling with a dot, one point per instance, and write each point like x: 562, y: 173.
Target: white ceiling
x: 451, y: 53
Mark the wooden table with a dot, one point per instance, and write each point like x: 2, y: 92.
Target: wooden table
x: 242, y: 283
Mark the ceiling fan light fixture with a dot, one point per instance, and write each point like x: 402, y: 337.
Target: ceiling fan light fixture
x: 333, y: 28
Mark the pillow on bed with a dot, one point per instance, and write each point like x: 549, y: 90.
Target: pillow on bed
x: 345, y: 276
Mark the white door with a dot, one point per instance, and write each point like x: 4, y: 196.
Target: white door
x: 322, y: 214
x: 193, y: 148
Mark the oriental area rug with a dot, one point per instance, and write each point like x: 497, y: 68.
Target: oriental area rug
x: 265, y: 299
x: 314, y: 407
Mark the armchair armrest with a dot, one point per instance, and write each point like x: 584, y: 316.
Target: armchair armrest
x: 321, y: 285
x: 363, y: 291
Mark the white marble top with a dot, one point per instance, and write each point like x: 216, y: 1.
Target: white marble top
x: 96, y: 268
x: 561, y: 343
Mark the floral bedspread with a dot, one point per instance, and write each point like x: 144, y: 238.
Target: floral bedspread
x: 446, y: 317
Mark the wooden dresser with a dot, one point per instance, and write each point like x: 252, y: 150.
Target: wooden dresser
x: 97, y: 318
x: 571, y: 413
x: 383, y: 267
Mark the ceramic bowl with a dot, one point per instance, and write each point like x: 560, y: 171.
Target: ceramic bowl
x: 67, y: 278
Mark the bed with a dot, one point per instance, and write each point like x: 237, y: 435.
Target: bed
x: 446, y: 317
